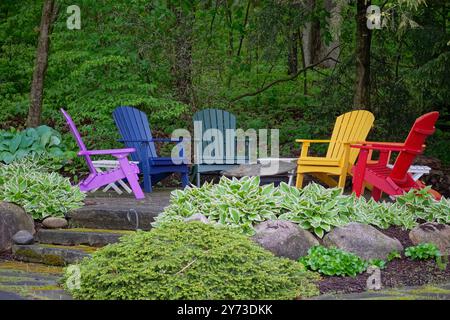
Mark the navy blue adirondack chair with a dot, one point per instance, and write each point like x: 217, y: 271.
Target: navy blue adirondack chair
x: 135, y: 132
x: 220, y: 120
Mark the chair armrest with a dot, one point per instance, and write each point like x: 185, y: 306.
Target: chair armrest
x: 311, y: 141
x: 167, y: 140
x: 106, y: 152
x: 153, y: 140
x: 386, y: 146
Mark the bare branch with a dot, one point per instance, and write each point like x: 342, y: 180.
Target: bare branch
x: 290, y: 78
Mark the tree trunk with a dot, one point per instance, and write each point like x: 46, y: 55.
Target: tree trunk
x: 334, y: 23
x: 292, y: 52
x: 182, y: 66
x: 314, y: 46
x: 40, y: 66
x: 363, y: 40
x: 311, y: 36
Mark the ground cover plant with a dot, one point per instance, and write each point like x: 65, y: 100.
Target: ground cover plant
x: 423, y: 251
x: 333, y: 262
x: 30, y: 183
x: 243, y: 203
x: 190, y: 261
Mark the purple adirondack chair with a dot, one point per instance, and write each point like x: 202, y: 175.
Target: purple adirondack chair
x: 96, y: 179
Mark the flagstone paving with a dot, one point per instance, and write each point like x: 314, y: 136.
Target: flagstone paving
x: 28, y: 281
x: 426, y: 292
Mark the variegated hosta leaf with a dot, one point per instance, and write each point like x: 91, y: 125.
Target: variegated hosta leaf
x: 243, y: 203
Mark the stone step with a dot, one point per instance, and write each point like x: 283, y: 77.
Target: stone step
x: 54, y: 255
x: 119, y: 213
x: 79, y: 236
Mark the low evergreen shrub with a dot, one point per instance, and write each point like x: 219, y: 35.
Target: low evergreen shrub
x: 190, y: 261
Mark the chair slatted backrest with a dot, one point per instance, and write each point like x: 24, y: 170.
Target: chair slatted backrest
x: 133, y: 126
x: 351, y: 126
x: 221, y: 120
x: 422, y: 128
x: 77, y: 136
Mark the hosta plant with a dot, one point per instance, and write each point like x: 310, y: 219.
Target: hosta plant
x: 315, y: 208
x: 41, y: 140
x: 243, y: 203
x: 189, y: 261
x: 236, y: 203
x: 39, y: 192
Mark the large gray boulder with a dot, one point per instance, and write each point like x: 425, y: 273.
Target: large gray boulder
x: 284, y: 238
x: 363, y: 240
x: 430, y: 232
x: 13, y: 219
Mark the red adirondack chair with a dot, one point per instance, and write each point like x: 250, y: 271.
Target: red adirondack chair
x: 397, y: 180
x: 126, y: 170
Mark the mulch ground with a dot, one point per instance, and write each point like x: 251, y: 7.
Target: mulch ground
x: 397, y: 273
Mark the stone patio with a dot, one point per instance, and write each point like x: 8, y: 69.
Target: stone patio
x: 108, y: 210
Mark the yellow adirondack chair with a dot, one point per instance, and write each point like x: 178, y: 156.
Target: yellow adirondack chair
x: 349, y: 127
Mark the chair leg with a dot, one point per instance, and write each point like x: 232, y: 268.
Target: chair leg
x: 359, y: 173
x: 299, y: 181
x: 184, y: 179
x: 342, y: 179
x: 132, y: 178
x: 376, y: 194
x: 147, y: 183
x: 198, y: 179
x: 358, y: 184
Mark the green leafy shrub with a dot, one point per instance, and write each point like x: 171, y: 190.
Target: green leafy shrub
x: 32, y: 141
x: 333, y: 262
x: 423, y: 251
x: 236, y: 203
x: 41, y: 193
x: 243, y: 203
x: 190, y: 261
x: 318, y: 209
x: 315, y: 208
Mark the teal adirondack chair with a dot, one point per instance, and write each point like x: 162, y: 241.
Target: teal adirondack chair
x: 229, y: 157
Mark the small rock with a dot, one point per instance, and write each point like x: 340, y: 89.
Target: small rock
x: 54, y: 223
x: 13, y: 218
x: 363, y: 240
x: 197, y: 217
x: 284, y: 238
x: 23, y: 237
x: 431, y: 232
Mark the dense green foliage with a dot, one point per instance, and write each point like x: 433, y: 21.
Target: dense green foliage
x: 333, y: 262
x: 243, y: 203
x: 128, y: 53
x: 42, y: 140
x: 190, y: 261
x: 41, y: 193
x: 423, y: 251
x: 337, y: 262
x: 237, y: 203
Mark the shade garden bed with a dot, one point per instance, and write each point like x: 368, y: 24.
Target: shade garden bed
x: 402, y: 272
x: 234, y: 212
